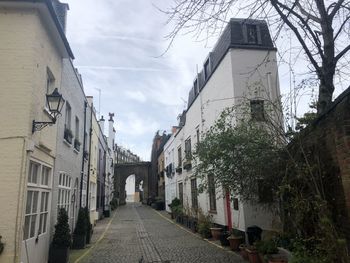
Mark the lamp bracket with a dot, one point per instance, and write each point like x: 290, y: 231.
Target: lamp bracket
x: 39, y: 125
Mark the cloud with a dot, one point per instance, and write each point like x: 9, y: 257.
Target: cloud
x: 136, y: 95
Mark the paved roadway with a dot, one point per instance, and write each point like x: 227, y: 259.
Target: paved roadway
x: 139, y: 234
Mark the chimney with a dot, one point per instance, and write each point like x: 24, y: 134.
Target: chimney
x: 111, y: 131
x: 102, y: 124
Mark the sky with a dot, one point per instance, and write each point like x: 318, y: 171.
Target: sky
x: 119, y: 50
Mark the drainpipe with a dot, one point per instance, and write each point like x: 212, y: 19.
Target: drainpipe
x: 228, y: 210
x: 88, y: 175
x: 82, y: 161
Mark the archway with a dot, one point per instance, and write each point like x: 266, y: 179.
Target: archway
x: 141, y: 172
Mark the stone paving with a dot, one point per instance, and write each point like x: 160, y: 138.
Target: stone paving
x: 139, y: 234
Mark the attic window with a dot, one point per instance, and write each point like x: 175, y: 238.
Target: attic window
x: 206, y: 69
x: 252, y: 34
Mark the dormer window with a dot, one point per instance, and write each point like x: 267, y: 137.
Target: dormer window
x: 206, y: 69
x: 252, y: 34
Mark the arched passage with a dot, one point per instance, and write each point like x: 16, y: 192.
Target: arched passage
x: 141, y: 171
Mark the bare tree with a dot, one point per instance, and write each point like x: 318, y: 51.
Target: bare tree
x: 321, y: 27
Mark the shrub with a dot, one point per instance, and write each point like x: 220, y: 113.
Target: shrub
x: 267, y: 247
x: 62, y: 236
x: 81, y: 227
x: 204, y: 224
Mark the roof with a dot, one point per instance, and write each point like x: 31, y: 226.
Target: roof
x: 235, y: 35
x: 54, y: 17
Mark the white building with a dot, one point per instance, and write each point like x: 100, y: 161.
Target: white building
x: 242, y: 67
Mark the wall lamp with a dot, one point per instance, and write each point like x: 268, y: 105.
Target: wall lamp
x: 55, y: 103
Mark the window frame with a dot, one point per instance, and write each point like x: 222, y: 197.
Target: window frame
x: 38, y: 218
x: 194, y: 193
x: 212, y: 193
x: 257, y: 110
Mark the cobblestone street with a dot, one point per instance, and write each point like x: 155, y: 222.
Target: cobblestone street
x: 139, y: 234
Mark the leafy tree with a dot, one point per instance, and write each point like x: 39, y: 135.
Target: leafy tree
x: 62, y: 236
x: 243, y: 157
x: 320, y: 27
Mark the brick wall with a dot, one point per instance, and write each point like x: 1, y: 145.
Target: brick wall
x: 328, y: 138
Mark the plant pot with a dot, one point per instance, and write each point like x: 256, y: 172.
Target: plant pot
x: 234, y: 242
x: 215, y: 232
x: 79, y: 241
x: 243, y: 251
x: 253, y: 256
x: 172, y: 215
x: 223, y: 238
x: 194, y: 225
x: 185, y: 221
x: 107, y: 213
x: 59, y: 255
x: 262, y: 258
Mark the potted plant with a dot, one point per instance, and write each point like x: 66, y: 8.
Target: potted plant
x: 59, y: 250
x: 204, y: 224
x: 215, y: 232
x: 223, y: 238
x: 253, y: 254
x: 2, y: 246
x: 235, y: 239
x: 79, y: 235
x: 265, y: 249
x: 68, y: 135
x: 174, y: 203
x: 89, y: 230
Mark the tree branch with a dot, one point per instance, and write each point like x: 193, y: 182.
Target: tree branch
x: 342, y: 53
x: 336, y: 8
x: 284, y: 17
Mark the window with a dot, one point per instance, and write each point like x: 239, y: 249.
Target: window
x: 181, y: 193
x: 68, y: 116
x: 50, y: 81
x: 257, y: 110
x: 194, y: 193
x: 44, y: 211
x: 235, y: 204
x: 188, y: 151
x: 179, y: 157
x: 64, y: 191
x: 206, y: 69
x: 252, y: 34
x: 33, y: 173
x: 212, y: 194
x: 31, y: 214
x: 76, y: 128
x: 37, y: 204
x: 39, y: 175
x: 45, y: 176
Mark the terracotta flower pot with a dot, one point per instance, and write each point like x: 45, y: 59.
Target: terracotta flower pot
x: 243, y: 251
x: 234, y: 242
x: 215, y: 232
x: 253, y: 256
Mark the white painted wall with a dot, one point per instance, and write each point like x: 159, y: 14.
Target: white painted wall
x: 243, y: 74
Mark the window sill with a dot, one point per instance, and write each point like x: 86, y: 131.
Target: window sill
x: 213, y: 212
x: 67, y: 143
x: 76, y: 151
